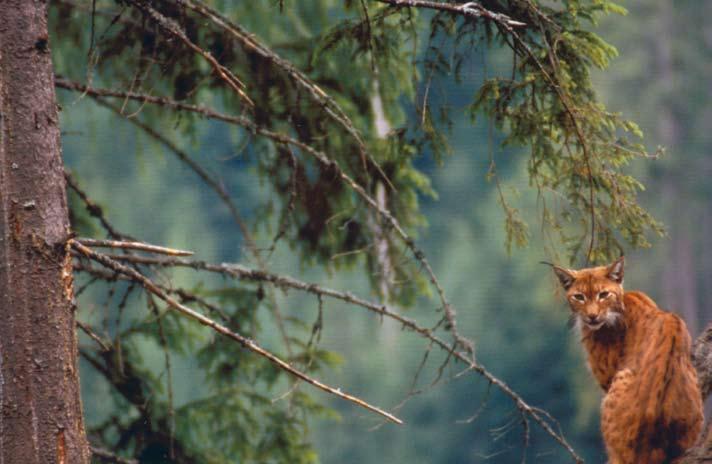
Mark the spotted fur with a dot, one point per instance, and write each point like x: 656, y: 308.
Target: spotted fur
x: 640, y: 355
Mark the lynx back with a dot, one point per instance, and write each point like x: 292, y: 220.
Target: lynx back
x: 640, y: 355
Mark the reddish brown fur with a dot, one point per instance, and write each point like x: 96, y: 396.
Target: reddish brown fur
x: 640, y: 356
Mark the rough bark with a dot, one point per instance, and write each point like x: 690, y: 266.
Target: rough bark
x: 40, y: 407
x: 702, y: 359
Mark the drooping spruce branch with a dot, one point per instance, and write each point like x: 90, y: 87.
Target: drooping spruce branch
x: 224, y: 196
x: 253, y: 44
x: 120, y: 271
x: 323, y: 159
x: 286, y: 282
x: 176, y: 31
x: 251, y: 345
x: 507, y: 27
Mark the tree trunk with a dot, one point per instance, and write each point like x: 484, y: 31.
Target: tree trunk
x: 679, y: 279
x: 702, y: 359
x: 40, y: 407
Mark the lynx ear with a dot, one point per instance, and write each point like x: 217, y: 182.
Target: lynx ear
x: 615, y: 270
x: 566, y: 276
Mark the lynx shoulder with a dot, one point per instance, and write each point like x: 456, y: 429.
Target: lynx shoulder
x: 640, y: 356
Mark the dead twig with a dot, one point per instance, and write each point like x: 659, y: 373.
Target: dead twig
x: 469, y: 9
x: 107, y: 456
x: 96, y: 243
x: 105, y: 346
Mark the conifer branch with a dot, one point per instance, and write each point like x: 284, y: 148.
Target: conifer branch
x: 507, y: 25
x: 244, y: 273
x: 224, y: 196
x: 175, y: 30
x: 570, y: 111
x: 251, y: 43
x: 251, y: 345
x: 324, y: 160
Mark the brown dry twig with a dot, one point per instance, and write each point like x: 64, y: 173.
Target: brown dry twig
x: 469, y: 9
x: 141, y: 246
x: 105, y: 346
x: 107, y: 456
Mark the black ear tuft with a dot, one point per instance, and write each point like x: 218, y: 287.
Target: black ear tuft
x: 566, y: 277
x: 615, y: 270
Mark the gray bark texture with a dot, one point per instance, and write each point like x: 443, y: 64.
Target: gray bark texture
x: 702, y: 359
x: 40, y: 406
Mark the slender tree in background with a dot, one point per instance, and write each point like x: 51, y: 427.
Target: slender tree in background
x: 40, y: 409
x: 675, y: 113
x: 305, y: 91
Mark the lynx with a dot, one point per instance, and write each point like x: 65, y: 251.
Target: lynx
x: 640, y: 355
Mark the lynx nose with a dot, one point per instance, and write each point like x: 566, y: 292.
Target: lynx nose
x: 592, y: 319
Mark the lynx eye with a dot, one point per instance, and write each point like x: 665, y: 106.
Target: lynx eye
x: 580, y: 297
x: 603, y: 295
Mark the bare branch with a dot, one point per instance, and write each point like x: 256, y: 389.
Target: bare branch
x: 160, y: 101
x: 107, y: 456
x: 469, y: 9
x: 95, y: 243
x: 93, y: 209
x: 151, y: 287
x: 87, y: 330
x: 184, y: 295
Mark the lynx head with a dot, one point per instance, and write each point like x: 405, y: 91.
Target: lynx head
x: 595, y: 294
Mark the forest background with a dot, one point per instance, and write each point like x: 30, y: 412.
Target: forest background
x: 507, y: 300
